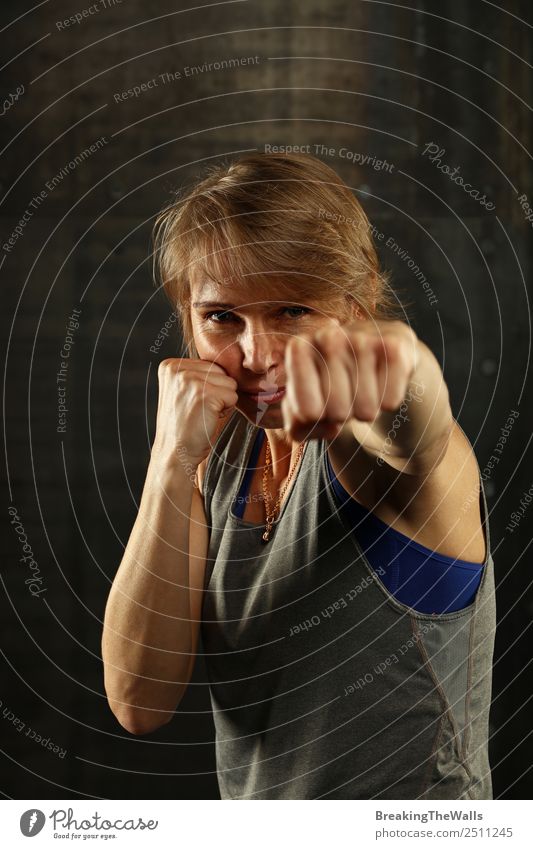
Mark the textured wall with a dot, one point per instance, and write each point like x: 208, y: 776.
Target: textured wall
x: 359, y: 80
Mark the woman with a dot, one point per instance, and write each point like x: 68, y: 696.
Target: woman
x: 308, y: 506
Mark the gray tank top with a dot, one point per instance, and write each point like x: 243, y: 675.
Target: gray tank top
x: 322, y: 684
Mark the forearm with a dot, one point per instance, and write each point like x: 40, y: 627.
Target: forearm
x: 413, y: 437
x: 146, y: 640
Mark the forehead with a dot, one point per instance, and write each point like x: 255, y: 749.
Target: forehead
x: 257, y: 291
x: 207, y: 292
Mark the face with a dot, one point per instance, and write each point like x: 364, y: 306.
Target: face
x: 248, y: 338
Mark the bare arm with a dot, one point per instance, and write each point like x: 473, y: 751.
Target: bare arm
x: 376, y: 381
x: 152, y: 615
x: 413, y: 437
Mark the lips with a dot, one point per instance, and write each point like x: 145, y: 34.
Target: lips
x: 268, y: 396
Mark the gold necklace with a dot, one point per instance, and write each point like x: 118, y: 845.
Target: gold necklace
x: 266, y: 495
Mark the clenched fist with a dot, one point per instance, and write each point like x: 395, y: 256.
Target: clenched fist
x: 353, y: 370
x: 193, y: 394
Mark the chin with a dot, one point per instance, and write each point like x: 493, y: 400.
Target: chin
x: 269, y: 418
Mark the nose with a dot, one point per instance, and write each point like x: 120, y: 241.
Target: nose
x: 261, y: 350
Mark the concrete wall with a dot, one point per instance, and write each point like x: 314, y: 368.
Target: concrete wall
x: 356, y: 80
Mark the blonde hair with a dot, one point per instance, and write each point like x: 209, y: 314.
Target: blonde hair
x: 272, y: 225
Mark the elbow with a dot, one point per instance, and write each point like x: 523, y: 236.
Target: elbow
x: 139, y: 727
x: 139, y: 721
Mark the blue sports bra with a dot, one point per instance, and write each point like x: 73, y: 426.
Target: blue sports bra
x: 414, y: 574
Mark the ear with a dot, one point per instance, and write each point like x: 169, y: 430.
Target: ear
x: 355, y: 310
x: 367, y: 314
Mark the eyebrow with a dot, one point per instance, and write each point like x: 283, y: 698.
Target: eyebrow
x: 226, y: 306
x: 213, y: 304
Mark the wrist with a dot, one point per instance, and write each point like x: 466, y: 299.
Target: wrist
x: 172, y: 466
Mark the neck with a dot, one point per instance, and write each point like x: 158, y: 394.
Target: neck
x: 283, y: 451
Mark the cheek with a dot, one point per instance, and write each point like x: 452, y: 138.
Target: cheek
x: 217, y: 350
x: 207, y: 344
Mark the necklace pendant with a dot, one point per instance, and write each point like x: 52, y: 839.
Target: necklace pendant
x: 268, y: 530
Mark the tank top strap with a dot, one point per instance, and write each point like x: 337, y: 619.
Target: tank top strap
x: 243, y: 491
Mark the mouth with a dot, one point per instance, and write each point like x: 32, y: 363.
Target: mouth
x: 266, y: 397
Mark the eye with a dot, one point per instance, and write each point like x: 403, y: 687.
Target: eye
x: 220, y: 316
x: 302, y: 310
x: 210, y: 316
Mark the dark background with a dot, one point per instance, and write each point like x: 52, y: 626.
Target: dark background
x: 378, y: 78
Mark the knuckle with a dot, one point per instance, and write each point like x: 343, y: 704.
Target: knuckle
x: 297, y: 347
x: 393, y: 348
x: 213, y: 368
x: 162, y: 367
x: 169, y: 364
x: 328, y: 338
x: 397, y: 352
x: 294, y: 342
x: 195, y: 381
x: 339, y: 411
x: 358, y: 342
